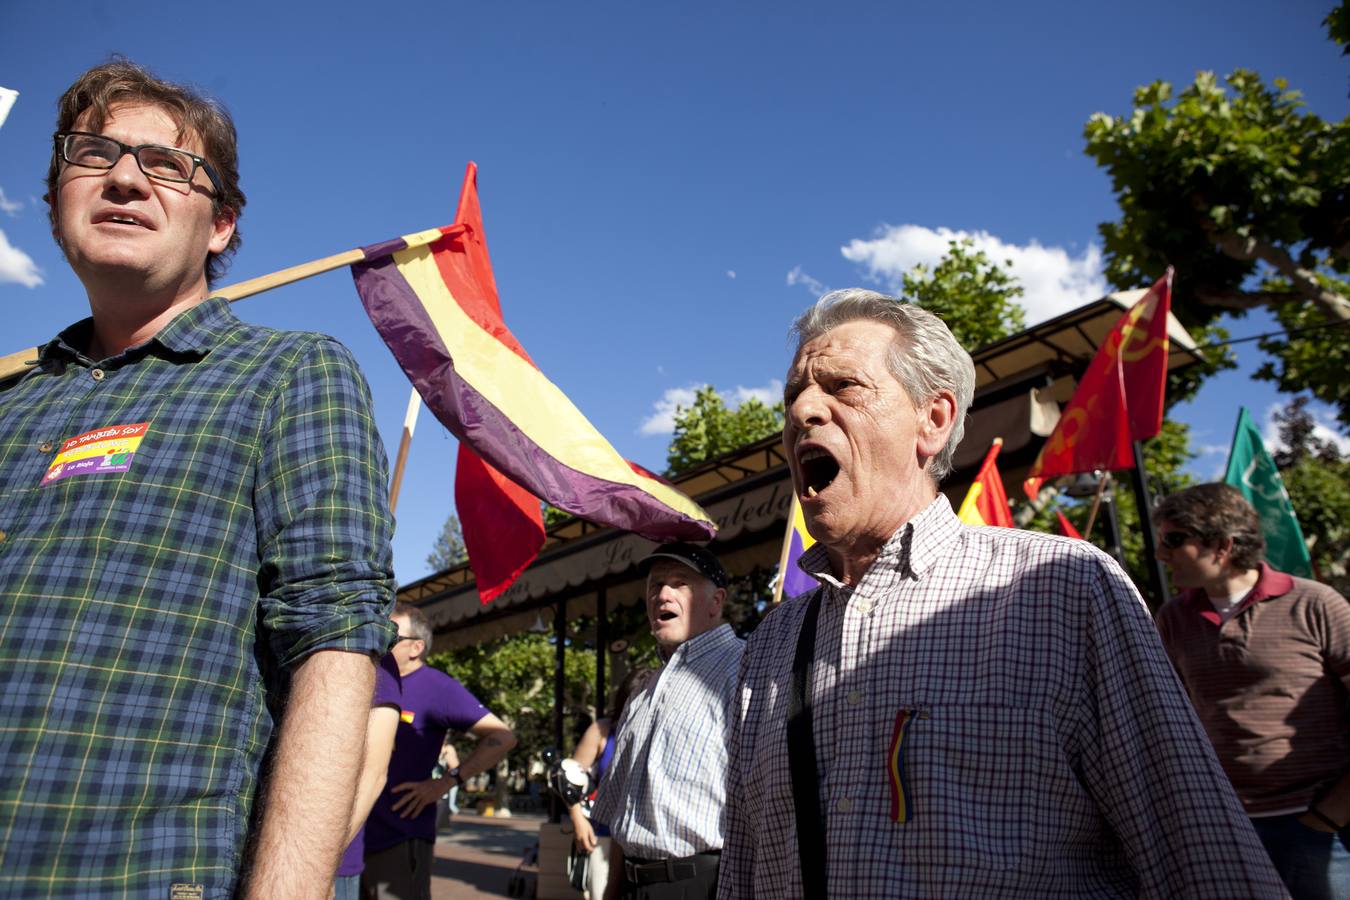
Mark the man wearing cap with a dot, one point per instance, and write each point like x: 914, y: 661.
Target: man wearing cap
x: 665, y: 792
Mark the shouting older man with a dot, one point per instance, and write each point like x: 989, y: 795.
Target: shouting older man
x: 955, y: 711
x: 664, y: 795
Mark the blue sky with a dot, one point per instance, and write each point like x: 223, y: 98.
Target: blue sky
x: 664, y: 186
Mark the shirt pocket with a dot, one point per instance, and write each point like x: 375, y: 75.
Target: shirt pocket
x: 981, y: 782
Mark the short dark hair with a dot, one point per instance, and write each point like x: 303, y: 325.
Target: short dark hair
x: 121, y: 81
x: 418, y: 623
x: 1213, y: 512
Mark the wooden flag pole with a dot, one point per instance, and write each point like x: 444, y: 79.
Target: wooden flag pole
x: 409, y: 423
x: 15, y: 363
x: 787, y: 547
x: 1096, y: 504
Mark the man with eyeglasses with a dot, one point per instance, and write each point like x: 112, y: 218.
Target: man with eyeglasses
x: 195, y: 572
x: 1265, y: 658
x: 401, y: 832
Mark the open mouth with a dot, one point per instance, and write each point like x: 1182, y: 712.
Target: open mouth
x: 667, y: 616
x: 819, y: 469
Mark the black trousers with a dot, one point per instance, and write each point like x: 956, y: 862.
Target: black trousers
x: 703, y: 886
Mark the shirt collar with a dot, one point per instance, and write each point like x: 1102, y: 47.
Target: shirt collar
x: 708, y: 640
x: 194, y: 332
x: 912, y: 550
x: 1271, y: 583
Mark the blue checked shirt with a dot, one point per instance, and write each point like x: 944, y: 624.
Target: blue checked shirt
x: 1051, y: 753
x: 156, y: 581
x: 664, y: 794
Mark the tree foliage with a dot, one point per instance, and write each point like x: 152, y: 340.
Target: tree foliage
x: 973, y: 294
x: 1245, y: 192
x: 448, y: 551
x: 513, y: 677
x: 707, y: 428
x: 1317, y: 477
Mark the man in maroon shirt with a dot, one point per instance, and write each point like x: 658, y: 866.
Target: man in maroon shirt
x: 1265, y: 658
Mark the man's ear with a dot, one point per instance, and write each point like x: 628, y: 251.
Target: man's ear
x: 719, y: 599
x: 222, y: 229
x: 937, y: 418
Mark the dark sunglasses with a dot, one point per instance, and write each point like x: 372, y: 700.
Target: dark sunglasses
x: 1173, y: 540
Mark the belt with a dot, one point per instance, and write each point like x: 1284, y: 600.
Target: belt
x: 655, y: 871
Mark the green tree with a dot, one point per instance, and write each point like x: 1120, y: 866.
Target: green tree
x: 1247, y: 194
x: 448, y: 551
x: 707, y: 428
x: 1317, y: 477
x: 973, y: 294
x: 513, y: 677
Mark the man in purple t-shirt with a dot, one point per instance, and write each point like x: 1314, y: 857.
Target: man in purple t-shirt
x: 381, y: 728
x: 401, y: 831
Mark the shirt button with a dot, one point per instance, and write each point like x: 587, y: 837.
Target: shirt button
x: 863, y: 606
x: 844, y: 804
x: 854, y: 698
x: 96, y: 374
x: 45, y: 447
x: 2, y: 535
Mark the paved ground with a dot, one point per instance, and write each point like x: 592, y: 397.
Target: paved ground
x: 476, y: 857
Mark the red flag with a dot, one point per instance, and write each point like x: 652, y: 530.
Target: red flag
x: 1119, y: 399
x: 1066, y: 527
x: 986, y: 502
x: 502, y: 523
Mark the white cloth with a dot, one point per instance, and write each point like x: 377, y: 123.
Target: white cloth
x: 665, y: 792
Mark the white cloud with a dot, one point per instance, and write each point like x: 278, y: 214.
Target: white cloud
x: 662, y: 419
x: 17, y: 266
x: 8, y: 206
x: 1054, y: 280
x: 1325, y: 428
x: 797, y: 276
x: 731, y: 273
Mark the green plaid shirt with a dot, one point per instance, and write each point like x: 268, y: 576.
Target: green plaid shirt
x: 178, y: 524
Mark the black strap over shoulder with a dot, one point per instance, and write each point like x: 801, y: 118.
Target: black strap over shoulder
x: 802, y: 758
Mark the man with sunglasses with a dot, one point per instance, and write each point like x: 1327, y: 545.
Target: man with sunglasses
x: 1265, y: 658
x: 195, y: 569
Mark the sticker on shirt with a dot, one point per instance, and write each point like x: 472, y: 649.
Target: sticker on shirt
x: 98, y: 452
x: 408, y: 715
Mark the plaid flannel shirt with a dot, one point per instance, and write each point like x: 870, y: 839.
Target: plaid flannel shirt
x: 152, y: 593
x: 664, y: 794
x: 1051, y: 751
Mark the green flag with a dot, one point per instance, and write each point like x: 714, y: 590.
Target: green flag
x: 1252, y: 471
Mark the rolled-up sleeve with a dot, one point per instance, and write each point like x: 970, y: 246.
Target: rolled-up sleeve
x: 321, y: 504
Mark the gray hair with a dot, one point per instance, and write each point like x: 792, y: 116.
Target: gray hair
x: 925, y: 357
x: 418, y: 623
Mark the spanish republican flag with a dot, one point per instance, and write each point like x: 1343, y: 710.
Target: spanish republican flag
x: 1119, y: 400
x: 986, y: 502
x: 791, y: 579
x: 433, y: 299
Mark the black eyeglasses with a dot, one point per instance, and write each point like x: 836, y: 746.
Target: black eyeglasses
x: 1173, y: 540
x: 97, y: 151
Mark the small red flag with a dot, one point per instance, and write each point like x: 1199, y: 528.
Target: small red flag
x: 1066, y: 527
x: 1119, y: 399
x: 986, y: 502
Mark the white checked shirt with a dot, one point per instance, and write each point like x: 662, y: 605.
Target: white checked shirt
x: 664, y: 795
x: 1053, y: 752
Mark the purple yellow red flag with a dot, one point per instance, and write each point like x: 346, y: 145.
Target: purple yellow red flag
x: 1119, y: 399
x: 986, y: 502
x: 791, y: 579
x: 432, y: 297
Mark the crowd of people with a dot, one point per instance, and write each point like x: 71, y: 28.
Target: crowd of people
x: 211, y: 692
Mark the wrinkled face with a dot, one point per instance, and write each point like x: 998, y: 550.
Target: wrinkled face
x: 681, y: 603
x: 118, y: 224
x: 1194, y: 563
x: 855, y: 442
x: 407, y: 650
